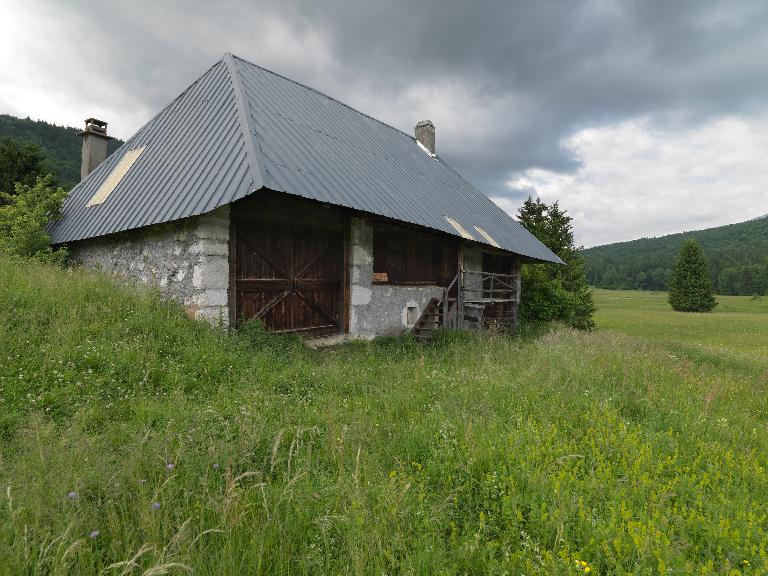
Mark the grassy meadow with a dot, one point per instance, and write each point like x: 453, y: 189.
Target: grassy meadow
x: 136, y: 441
x: 738, y: 325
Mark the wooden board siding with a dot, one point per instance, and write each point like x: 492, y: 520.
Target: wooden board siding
x: 498, y: 263
x: 290, y: 277
x: 409, y: 257
x: 347, y: 288
x: 289, y: 265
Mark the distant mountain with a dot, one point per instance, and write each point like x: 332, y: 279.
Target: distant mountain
x: 62, y: 144
x: 737, y: 255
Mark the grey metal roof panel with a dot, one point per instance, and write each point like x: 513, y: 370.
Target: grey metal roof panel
x: 198, y: 156
x: 194, y: 161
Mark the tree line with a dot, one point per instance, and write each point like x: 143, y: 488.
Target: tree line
x: 737, y: 257
x: 58, y: 147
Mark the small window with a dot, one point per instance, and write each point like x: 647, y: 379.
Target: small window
x: 411, y: 315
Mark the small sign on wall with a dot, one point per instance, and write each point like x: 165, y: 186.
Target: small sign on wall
x: 380, y: 277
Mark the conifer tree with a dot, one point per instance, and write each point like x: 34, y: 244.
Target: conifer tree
x: 690, y: 287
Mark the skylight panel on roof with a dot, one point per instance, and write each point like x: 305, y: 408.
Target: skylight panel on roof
x: 459, y: 228
x: 114, y: 178
x: 488, y: 237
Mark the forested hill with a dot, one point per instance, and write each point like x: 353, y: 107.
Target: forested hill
x: 737, y: 255
x: 61, y: 144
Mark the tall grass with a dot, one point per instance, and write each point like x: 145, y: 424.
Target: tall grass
x: 136, y: 441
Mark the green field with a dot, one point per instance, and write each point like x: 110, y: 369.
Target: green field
x: 641, y: 448
x: 735, y: 334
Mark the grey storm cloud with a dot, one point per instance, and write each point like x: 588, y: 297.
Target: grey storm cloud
x: 505, y: 82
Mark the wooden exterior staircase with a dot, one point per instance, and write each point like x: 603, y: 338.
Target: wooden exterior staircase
x: 429, y: 321
x: 472, y: 301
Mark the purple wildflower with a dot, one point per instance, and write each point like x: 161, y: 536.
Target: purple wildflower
x: 216, y: 466
x: 169, y: 466
x: 155, y: 505
x: 95, y: 534
x: 71, y: 494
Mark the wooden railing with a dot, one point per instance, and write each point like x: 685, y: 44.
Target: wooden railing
x: 449, y: 322
x: 476, y: 289
x: 494, y: 286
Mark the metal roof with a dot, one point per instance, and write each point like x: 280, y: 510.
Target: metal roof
x: 240, y: 128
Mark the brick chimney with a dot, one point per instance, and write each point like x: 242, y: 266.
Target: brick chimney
x: 425, y: 133
x: 94, y: 145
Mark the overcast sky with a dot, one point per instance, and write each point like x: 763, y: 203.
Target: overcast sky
x: 641, y: 117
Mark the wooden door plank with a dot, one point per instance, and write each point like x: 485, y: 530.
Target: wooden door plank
x: 304, y: 286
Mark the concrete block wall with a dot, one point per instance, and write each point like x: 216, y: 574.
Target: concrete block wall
x: 379, y: 310
x: 210, y: 274
x: 187, y: 260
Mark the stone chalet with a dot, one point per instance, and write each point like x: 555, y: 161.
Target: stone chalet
x: 253, y: 196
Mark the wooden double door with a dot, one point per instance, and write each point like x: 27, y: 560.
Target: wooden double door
x: 290, y: 277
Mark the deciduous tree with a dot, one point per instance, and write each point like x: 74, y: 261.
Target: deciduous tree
x: 552, y: 291
x: 24, y: 217
x: 20, y: 162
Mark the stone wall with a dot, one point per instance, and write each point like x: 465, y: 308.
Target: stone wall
x: 188, y: 260
x: 379, y: 310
